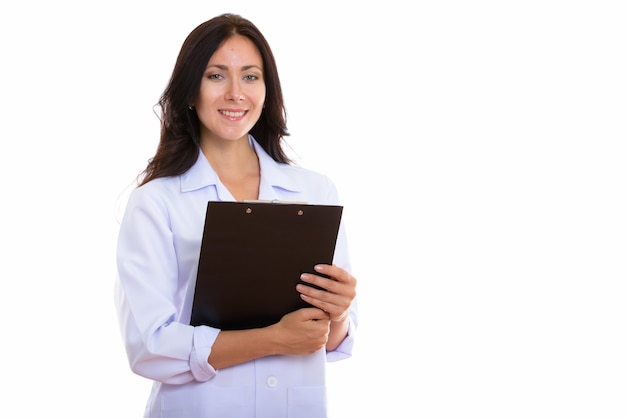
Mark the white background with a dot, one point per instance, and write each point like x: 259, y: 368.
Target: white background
x: 479, y: 150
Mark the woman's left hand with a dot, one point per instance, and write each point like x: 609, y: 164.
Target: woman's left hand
x: 340, y: 290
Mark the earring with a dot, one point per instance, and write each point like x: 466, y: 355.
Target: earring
x: 190, y: 107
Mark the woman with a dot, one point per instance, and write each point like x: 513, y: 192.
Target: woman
x: 223, y: 122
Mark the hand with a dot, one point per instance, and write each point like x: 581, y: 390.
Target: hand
x: 304, y: 331
x: 340, y: 291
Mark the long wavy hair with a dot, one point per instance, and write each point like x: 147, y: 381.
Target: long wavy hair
x: 179, y: 143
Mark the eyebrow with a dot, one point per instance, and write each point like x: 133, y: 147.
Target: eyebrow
x: 225, y: 67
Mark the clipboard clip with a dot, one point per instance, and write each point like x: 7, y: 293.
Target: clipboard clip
x: 282, y: 202
x: 276, y: 201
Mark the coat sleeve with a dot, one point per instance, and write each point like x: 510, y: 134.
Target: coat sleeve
x: 158, y: 347
x: 342, y: 259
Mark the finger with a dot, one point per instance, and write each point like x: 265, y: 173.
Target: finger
x: 327, y: 301
x: 314, y: 313
x: 319, y: 281
x: 346, y: 287
x: 336, y: 273
x: 330, y: 270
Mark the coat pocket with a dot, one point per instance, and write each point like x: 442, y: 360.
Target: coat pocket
x: 307, y: 402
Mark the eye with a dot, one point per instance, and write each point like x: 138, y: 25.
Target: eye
x: 214, y: 76
x: 251, y: 77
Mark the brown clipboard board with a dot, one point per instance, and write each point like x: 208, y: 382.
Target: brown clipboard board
x: 251, y: 257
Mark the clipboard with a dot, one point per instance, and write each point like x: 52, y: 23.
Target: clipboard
x: 251, y: 257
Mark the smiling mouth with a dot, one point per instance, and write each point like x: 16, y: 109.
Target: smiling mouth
x: 232, y: 114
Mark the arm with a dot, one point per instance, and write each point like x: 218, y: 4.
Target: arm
x: 304, y: 331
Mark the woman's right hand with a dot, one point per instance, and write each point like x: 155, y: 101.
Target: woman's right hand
x: 304, y: 331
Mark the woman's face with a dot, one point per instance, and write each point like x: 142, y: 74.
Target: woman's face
x: 232, y: 91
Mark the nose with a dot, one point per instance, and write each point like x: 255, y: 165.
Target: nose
x: 235, y: 92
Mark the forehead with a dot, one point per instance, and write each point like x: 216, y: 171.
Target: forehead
x: 237, y: 51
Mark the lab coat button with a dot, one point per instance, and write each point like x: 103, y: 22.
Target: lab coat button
x: 272, y: 381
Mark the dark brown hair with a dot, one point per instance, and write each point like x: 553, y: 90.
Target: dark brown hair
x: 179, y: 143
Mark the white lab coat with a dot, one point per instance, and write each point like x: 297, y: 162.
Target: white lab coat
x: 157, y: 258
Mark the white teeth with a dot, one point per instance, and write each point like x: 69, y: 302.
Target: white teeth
x: 233, y: 114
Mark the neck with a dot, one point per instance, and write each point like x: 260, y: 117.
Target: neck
x: 236, y: 165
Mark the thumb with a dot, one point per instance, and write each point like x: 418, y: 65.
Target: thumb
x: 313, y: 313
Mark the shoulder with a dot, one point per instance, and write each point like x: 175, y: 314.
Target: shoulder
x: 315, y: 186
x: 303, y: 173
x: 158, y: 188
x: 157, y: 193
x: 292, y: 177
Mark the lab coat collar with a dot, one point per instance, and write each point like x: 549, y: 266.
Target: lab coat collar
x: 201, y: 175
